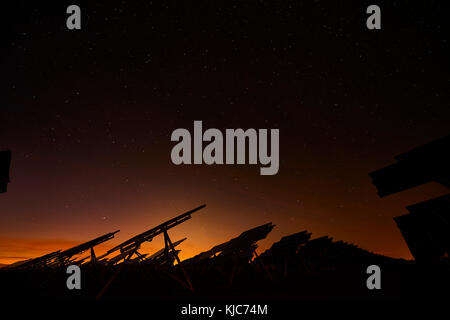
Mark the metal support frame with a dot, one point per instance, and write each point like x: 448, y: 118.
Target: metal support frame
x: 169, y: 246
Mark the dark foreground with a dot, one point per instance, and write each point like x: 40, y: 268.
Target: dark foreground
x: 253, y: 281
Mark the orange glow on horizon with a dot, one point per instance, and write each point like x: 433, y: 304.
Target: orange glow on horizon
x: 214, y: 225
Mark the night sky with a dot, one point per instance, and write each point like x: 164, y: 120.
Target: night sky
x: 88, y: 116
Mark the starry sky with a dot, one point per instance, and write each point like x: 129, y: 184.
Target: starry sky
x: 88, y: 115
